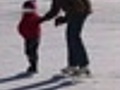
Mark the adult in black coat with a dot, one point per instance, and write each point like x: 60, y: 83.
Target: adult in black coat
x: 76, y: 12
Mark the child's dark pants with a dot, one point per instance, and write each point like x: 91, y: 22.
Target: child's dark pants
x: 31, y: 48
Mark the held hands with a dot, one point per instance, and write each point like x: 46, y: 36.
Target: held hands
x: 41, y: 20
x: 60, y: 20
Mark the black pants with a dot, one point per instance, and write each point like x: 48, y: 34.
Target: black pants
x: 31, y: 47
x: 77, y: 55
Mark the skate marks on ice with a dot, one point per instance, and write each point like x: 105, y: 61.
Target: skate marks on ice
x: 21, y: 75
x: 55, y: 82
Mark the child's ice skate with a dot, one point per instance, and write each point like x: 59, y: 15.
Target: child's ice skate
x: 32, y: 70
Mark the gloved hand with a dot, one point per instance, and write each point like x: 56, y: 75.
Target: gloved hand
x: 60, y: 20
x: 41, y: 20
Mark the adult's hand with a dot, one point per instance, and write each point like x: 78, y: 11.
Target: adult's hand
x: 60, y: 20
x: 41, y: 20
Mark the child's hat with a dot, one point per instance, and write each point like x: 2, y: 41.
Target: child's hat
x: 29, y: 5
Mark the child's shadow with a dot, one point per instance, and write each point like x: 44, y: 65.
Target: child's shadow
x: 18, y: 76
x: 52, y: 80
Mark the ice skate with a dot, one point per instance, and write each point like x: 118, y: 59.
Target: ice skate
x: 82, y: 72
x: 68, y: 71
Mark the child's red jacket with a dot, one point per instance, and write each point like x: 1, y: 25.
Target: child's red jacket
x: 29, y: 27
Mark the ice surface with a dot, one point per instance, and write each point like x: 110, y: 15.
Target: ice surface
x: 101, y: 36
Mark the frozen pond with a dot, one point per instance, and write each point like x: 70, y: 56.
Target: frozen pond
x: 101, y: 35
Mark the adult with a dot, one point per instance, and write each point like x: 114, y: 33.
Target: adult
x: 76, y: 12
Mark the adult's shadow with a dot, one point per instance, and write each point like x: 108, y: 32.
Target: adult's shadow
x: 52, y: 80
x: 21, y: 75
x: 61, y: 85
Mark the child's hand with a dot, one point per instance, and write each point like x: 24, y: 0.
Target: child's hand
x: 60, y: 20
x: 42, y: 19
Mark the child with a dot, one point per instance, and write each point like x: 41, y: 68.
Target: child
x: 29, y: 29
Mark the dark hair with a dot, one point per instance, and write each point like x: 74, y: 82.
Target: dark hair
x: 28, y: 4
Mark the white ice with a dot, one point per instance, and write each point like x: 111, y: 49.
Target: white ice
x: 101, y: 36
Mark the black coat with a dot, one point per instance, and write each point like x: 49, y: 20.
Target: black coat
x: 69, y: 6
